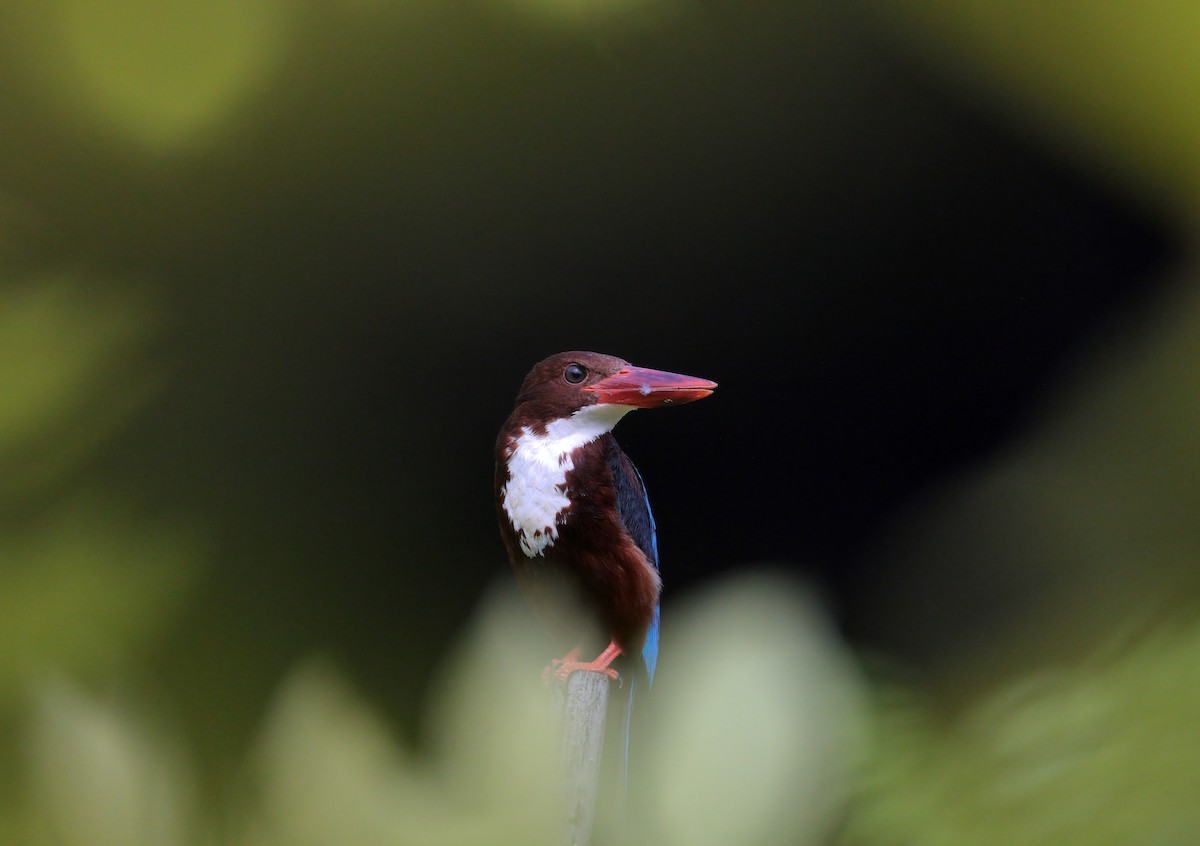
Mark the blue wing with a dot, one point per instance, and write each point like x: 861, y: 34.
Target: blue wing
x: 638, y: 521
x: 650, y: 650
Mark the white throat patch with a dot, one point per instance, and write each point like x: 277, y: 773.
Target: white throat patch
x: 535, y: 495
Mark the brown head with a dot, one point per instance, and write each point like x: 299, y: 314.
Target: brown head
x: 562, y: 384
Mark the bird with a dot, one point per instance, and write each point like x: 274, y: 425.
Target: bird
x: 573, y: 511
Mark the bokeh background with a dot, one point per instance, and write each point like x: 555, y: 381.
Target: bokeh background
x: 271, y: 272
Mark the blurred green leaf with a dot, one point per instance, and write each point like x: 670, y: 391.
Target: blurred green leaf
x: 755, y: 740
x: 1097, y: 754
x: 756, y: 724
x: 102, y: 776
x: 161, y: 74
x: 84, y: 584
x: 329, y: 772
x: 1114, y: 82
x: 77, y: 369
x: 591, y: 13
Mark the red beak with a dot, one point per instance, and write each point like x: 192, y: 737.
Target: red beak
x: 645, y: 388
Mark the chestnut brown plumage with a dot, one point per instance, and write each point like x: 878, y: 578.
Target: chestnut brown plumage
x: 572, y: 507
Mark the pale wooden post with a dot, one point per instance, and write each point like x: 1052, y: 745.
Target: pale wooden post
x: 585, y: 714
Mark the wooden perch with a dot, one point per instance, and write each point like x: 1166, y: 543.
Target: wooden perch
x: 585, y: 714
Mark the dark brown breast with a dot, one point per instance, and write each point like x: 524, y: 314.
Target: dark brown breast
x: 593, y: 576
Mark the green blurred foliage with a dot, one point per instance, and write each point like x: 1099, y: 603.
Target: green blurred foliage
x: 84, y: 585
x: 82, y: 372
x: 1072, y: 722
x: 1110, y: 83
x: 160, y: 75
x: 103, y: 774
x: 1100, y: 753
x: 756, y: 729
x: 83, y: 576
x: 325, y: 769
x: 590, y: 13
x: 86, y: 579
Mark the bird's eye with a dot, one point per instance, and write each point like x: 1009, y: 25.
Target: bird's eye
x: 575, y: 373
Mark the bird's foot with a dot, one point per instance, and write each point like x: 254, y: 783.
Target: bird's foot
x: 560, y: 669
x: 553, y: 671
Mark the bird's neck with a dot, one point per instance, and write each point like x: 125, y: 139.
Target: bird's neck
x: 562, y: 436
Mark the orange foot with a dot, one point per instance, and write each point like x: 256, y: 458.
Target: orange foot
x: 561, y: 668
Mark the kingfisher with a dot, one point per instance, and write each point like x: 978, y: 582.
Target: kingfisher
x: 573, y: 511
